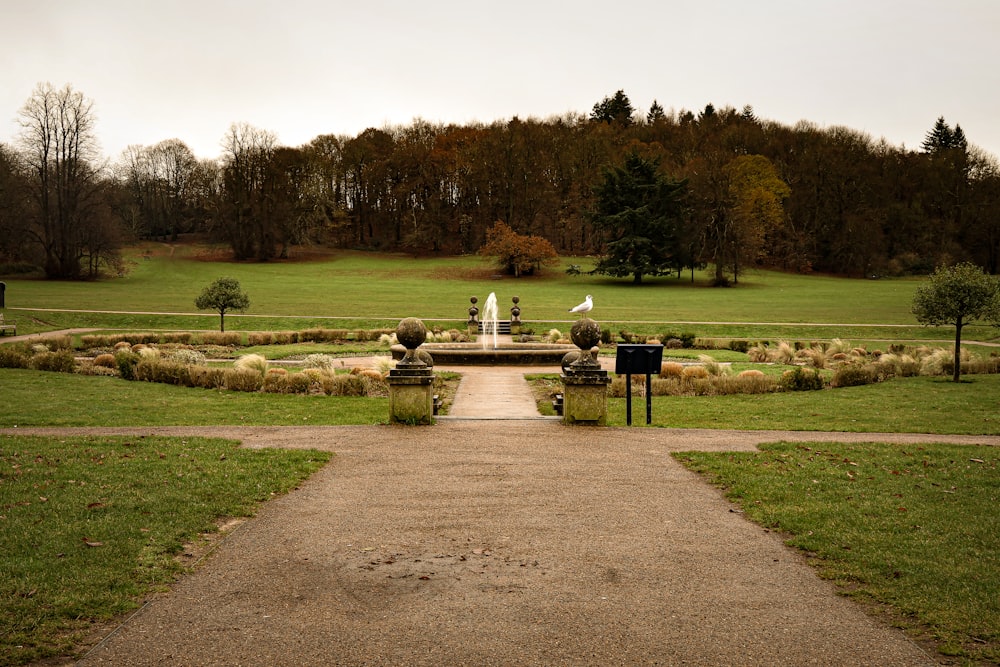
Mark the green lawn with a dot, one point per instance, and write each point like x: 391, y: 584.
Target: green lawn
x: 912, y: 528
x: 900, y: 405
x: 91, y: 525
x: 37, y: 398
x: 377, y: 290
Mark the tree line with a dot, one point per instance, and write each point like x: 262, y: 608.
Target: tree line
x: 750, y: 192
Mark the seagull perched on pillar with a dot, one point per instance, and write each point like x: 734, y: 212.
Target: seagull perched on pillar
x: 585, y: 307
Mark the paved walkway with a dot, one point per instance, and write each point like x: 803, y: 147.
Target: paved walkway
x: 516, y: 542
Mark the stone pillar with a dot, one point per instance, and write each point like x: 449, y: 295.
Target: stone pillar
x: 473, y: 323
x: 515, y: 317
x: 585, y: 384
x: 411, y: 397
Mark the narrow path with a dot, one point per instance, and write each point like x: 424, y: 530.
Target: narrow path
x: 497, y: 392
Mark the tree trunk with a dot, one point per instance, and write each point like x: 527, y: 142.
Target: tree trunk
x: 958, y: 351
x: 222, y: 321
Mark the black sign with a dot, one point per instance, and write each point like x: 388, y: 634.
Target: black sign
x: 638, y: 359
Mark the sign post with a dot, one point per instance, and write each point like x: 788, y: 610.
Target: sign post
x: 636, y: 359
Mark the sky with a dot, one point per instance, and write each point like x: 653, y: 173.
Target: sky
x: 188, y: 70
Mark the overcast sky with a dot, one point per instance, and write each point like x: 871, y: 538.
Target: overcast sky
x: 188, y: 69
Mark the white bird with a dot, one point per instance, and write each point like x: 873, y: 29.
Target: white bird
x: 585, y: 307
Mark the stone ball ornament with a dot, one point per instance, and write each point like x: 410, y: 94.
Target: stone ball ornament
x: 411, y: 334
x: 586, y: 335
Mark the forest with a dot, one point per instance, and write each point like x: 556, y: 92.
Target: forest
x: 750, y: 192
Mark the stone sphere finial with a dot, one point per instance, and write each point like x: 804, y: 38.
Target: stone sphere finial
x: 411, y: 334
x: 586, y: 335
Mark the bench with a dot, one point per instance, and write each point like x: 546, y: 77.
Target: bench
x: 7, y: 326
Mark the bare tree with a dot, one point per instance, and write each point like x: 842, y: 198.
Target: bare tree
x: 59, y: 149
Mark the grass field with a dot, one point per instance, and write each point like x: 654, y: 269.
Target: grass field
x: 90, y: 525
x: 354, y: 289
x: 908, y: 529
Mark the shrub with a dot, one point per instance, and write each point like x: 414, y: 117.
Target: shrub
x: 122, y: 345
x: 94, y: 340
x: 758, y: 353
x: 241, y: 379
x: 686, y: 339
x: 207, y: 377
x: 695, y: 373
x: 251, y: 362
x: 276, y: 383
x: 606, y: 336
x: 220, y: 338
x: 87, y: 367
x: 783, y: 353
x: 286, y: 337
x: 186, y: 356
x: 739, y: 345
x: 12, y: 356
x: 671, y: 369
x: 105, y: 361
x: 321, y: 361
x: 57, y: 362
x: 748, y: 382
x: 902, y: 365
x: 164, y: 372
x: 182, y: 337
x: 815, y: 356
x: 260, y: 338
x: 853, y: 375
x: 711, y: 365
x: 126, y: 360
x: 801, y: 379
x: 939, y: 362
x: 345, y: 385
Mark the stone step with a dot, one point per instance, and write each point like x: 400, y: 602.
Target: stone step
x: 503, y: 327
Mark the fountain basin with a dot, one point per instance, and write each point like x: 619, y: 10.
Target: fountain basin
x: 472, y: 354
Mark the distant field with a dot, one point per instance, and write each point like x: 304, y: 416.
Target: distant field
x: 355, y: 289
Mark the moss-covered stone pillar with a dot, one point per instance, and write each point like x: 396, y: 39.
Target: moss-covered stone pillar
x: 411, y: 397
x: 585, y: 384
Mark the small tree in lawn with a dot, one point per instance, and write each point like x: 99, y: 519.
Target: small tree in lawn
x: 957, y: 295
x: 222, y: 295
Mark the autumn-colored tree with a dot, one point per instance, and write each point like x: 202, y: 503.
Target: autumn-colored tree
x: 517, y: 254
x: 753, y: 210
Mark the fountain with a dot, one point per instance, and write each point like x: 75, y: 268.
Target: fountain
x: 490, y: 320
x: 497, y: 354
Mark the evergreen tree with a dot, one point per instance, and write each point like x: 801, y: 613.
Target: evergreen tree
x: 639, y: 212
x: 655, y: 113
x: 941, y: 137
x: 617, y: 109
